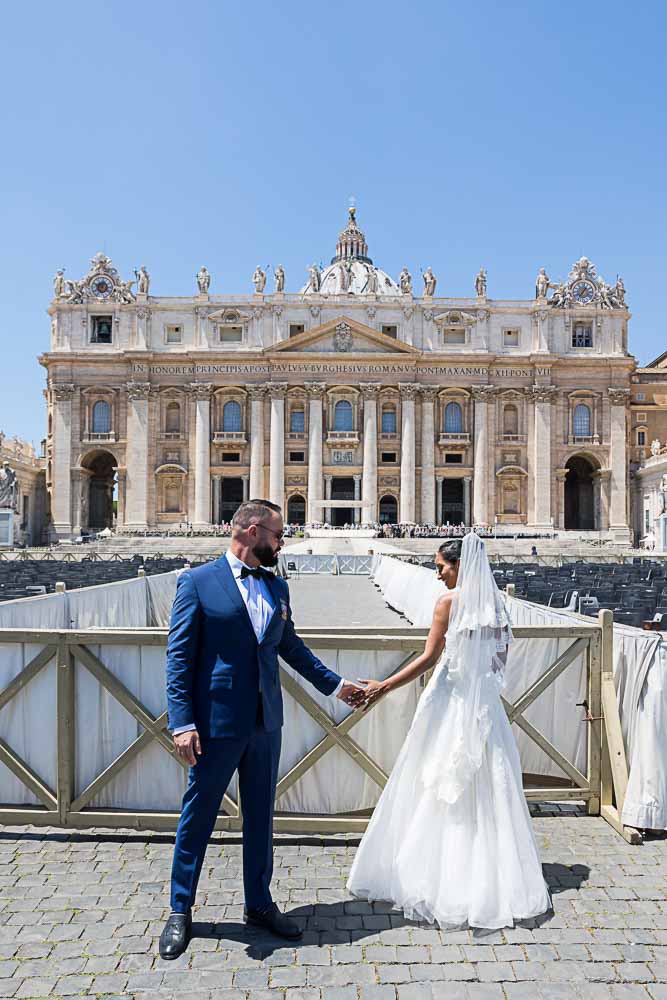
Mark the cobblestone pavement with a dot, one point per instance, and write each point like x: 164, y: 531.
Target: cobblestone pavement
x: 80, y: 914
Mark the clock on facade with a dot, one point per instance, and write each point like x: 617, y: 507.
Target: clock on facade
x: 101, y: 287
x: 583, y: 292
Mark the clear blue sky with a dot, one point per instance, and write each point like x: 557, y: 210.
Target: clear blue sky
x: 512, y: 135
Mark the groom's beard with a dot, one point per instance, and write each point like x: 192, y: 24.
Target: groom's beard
x: 266, y: 555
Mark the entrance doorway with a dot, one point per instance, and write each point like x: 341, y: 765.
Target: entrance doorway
x: 231, y: 497
x: 101, y: 489
x: 453, y: 509
x: 342, y: 488
x: 579, y: 495
x: 388, y: 510
x: 296, y: 509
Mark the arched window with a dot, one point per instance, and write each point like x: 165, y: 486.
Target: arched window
x: 343, y: 416
x: 101, y: 417
x: 453, y: 419
x: 173, y: 418
x: 231, y: 416
x: 388, y: 420
x: 297, y: 421
x: 582, y: 421
x: 510, y: 420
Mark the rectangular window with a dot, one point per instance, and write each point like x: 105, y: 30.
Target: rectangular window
x: 582, y: 335
x: 390, y: 330
x: 295, y: 329
x: 641, y: 438
x: 641, y: 396
x: 231, y: 456
x: 454, y: 336
x: 510, y: 338
x: 297, y: 456
x: 102, y: 329
x: 647, y: 521
x: 231, y: 334
x: 388, y: 457
x: 452, y: 458
x: 174, y: 334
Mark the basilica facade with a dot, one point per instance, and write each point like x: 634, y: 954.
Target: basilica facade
x: 359, y: 398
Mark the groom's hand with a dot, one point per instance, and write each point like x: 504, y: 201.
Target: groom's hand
x: 188, y: 746
x: 351, y: 694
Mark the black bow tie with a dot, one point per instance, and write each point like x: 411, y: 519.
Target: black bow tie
x: 257, y: 572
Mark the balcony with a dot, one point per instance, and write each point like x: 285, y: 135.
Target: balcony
x: 389, y: 437
x: 229, y: 439
x: 588, y: 439
x: 343, y: 438
x: 99, y: 436
x: 512, y: 439
x: 448, y: 438
x: 296, y: 436
x: 172, y: 435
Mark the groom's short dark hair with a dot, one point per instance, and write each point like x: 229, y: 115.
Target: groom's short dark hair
x: 253, y: 511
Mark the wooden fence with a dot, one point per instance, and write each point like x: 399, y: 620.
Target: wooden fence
x: 601, y: 785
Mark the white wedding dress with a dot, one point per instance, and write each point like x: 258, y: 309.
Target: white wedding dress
x: 450, y: 840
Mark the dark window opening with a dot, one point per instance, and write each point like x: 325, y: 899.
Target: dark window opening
x: 388, y: 456
x: 102, y: 329
x: 453, y: 459
x: 231, y: 456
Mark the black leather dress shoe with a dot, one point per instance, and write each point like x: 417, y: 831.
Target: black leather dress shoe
x: 176, y: 935
x: 273, y: 920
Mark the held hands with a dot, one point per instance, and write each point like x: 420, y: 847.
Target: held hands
x: 188, y: 746
x: 373, y: 691
x: 352, y: 694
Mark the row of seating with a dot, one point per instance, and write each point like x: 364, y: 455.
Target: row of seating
x: 27, y: 577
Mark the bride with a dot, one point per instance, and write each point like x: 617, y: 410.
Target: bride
x: 451, y: 839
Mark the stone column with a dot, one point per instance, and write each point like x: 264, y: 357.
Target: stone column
x: 61, y: 460
x: 328, y: 482
x: 136, y: 482
x: 315, y: 392
x: 202, y: 463
x: 540, y: 457
x: 256, y: 394
x: 357, y: 496
x: 428, y: 454
x: 618, y: 463
x: 246, y: 487
x: 603, y: 478
x: 369, y: 483
x: 217, y: 498
x: 481, y: 394
x: 467, y: 482
x: 277, y: 444
x: 438, y: 499
x: 408, y: 391
x: 561, y: 476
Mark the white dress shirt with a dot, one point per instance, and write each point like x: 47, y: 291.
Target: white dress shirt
x: 260, y: 606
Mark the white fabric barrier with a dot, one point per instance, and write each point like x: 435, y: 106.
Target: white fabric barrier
x: 640, y: 676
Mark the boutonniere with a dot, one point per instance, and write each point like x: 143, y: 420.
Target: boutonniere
x: 283, y: 610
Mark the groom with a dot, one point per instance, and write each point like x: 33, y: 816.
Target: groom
x: 230, y: 621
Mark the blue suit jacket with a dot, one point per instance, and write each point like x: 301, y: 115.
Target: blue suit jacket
x: 214, y: 661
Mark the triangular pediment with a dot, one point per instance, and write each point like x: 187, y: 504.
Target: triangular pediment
x: 342, y: 335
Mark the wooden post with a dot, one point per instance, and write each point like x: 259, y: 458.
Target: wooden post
x: 141, y: 571
x: 510, y: 589
x: 65, y: 728
x: 60, y: 587
x: 594, y: 672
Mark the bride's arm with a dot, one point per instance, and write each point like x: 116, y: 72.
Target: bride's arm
x: 435, y: 643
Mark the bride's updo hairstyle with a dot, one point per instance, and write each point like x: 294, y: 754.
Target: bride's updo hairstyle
x: 451, y: 551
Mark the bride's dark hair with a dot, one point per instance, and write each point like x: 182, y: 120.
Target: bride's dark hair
x: 451, y: 551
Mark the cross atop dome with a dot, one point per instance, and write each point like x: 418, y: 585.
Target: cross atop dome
x: 351, y: 241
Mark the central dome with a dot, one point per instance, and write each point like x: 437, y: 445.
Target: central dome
x: 351, y: 271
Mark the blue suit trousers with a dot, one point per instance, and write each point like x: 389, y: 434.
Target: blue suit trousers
x: 256, y: 757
